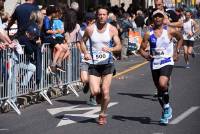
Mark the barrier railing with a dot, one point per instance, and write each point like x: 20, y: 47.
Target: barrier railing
x: 18, y: 74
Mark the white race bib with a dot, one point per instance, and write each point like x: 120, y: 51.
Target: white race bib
x: 160, y: 53
x: 100, y: 56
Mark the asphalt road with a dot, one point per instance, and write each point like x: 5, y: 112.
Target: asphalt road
x: 133, y: 109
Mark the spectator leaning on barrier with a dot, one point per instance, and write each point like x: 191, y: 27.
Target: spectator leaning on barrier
x: 29, y: 39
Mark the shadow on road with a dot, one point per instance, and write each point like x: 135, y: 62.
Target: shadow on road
x: 143, y: 120
x: 71, y: 102
x: 141, y: 96
x: 79, y: 119
x: 179, y: 66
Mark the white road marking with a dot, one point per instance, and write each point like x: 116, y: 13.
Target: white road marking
x: 184, y: 115
x: 74, y: 118
x: 3, y: 129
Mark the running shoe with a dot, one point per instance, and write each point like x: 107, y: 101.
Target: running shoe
x: 193, y: 55
x: 166, y: 115
x: 187, y: 66
x: 102, y: 120
x: 86, y: 88
x: 92, y: 102
x: 164, y: 121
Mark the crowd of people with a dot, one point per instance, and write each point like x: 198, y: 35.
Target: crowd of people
x: 101, y: 35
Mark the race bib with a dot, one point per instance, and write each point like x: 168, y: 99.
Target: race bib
x: 99, y: 56
x: 160, y: 53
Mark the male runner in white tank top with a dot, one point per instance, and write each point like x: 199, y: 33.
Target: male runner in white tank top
x: 101, y: 68
x: 162, y: 56
x: 190, y: 27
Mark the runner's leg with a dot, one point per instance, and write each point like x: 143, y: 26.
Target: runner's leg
x: 106, y: 82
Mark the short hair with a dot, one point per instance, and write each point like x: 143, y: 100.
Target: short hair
x: 103, y: 7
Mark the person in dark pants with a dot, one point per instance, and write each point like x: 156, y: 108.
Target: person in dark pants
x: 29, y: 39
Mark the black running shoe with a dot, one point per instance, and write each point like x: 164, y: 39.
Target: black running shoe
x: 193, y: 55
x: 86, y: 88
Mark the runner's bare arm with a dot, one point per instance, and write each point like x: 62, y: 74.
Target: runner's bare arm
x: 143, y: 47
x: 178, y: 36
x: 83, y: 42
x: 196, y: 27
x: 116, y: 40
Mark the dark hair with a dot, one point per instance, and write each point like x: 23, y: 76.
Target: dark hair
x: 102, y: 7
x: 50, y: 10
x: 70, y: 20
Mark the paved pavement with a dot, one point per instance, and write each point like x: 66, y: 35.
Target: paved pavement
x: 133, y: 109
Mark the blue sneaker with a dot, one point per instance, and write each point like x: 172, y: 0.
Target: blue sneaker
x: 167, y: 113
x: 164, y: 120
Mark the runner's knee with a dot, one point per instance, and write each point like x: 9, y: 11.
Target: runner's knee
x: 163, y: 86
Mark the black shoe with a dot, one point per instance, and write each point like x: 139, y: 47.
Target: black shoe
x: 193, y: 55
x: 60, y: 68
x: 86, y: 88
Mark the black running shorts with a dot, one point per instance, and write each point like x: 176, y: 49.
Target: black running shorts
x: 188, y: 43
x: 101, y: 70
x: 164, y: 71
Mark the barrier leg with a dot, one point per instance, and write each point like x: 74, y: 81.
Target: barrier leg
x: 13, y: 105
x: 44, y: 94
x: 73, y: 90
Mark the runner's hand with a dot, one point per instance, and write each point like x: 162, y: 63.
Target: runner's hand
x: 175, y: 56
x: 87, y: 56
x: 106, y: 49
x: 148, y: 56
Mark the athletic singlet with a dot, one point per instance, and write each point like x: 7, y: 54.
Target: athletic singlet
x: 98, y: 41
x: 188, y: 27
x: 161, y: 49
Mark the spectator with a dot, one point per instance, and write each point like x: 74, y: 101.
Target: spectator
x: 139, y: 20
x: 49, y: 37
x: 75, y: 6
x: 122, y: 8
x: 29, y: 39
x: 125, y: 26
x: 22, y: 15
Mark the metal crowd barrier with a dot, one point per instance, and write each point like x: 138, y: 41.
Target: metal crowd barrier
x: 18, y: 76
